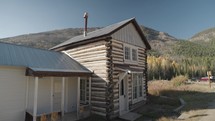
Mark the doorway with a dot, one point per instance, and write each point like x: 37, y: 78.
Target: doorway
x: 123, y: 96
x: 57, y: 95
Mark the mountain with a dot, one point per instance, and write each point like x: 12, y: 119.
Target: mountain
x: 47, y: 39
x: 204, y: 36
x: 158, y: 40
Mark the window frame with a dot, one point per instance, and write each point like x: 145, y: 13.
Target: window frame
x: 131, y: 48
x: 139, y: 98
x: 85, y: 91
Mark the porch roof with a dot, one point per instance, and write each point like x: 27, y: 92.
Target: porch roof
x: 124, y: 67
x: 56, y: 72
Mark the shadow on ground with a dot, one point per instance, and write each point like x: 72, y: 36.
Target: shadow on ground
x: 158, y: 107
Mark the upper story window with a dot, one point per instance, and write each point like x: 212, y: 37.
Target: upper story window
x: 134, y: 54
x: 127, y: 53
x: 130, y: 53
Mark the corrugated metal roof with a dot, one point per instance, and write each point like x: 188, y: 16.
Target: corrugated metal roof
x: 97, y: 33
x: 39, y: 59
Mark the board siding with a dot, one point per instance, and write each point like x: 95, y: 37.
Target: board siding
x: 13, y: 90
x: 94, y: 57
x: 129, y: 34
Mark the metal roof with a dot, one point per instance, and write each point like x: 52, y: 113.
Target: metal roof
x: 103, y: 32
x: 38, y: 59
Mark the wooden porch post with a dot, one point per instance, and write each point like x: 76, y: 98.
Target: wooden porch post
x: 35, y: 99
x: 27, y: 92
x: 89, y: 91
x: 62, y: 96
x: 52, y: 93
x: 78, y: 97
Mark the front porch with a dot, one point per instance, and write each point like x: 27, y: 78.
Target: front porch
x: 48, y: 94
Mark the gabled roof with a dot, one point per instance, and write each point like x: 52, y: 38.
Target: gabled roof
x: 104, y: 32
x: 38, y: 59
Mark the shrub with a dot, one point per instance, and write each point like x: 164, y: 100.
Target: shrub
x: 179, y: 80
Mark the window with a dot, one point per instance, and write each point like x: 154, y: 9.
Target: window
x: 137, y: 79
x: 140, y: 80
x: 130, y: 54
x: 83, y: 90
x: 127, y: 53
x: 134, y: 54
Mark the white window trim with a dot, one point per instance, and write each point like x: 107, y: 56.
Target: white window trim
x: 85, y: 101
x: 138, y: 99
x: 131, y: 61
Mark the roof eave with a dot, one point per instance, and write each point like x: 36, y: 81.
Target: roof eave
x: 139, y: 30
x: 86, y: 41
x: 31, y: 72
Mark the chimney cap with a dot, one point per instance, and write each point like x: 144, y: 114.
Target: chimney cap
x: 85, y: 15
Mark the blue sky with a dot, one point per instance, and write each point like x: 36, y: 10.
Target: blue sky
x: 180, y: 18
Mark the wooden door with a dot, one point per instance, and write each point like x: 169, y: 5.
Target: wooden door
x: 57, y: 96
x: 123, y: 96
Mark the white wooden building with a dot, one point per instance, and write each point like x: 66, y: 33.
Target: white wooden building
x: 35, y: 82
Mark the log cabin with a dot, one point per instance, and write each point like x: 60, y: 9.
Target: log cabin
x: 117, y: 54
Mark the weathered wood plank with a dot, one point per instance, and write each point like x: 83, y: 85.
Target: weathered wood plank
x: 117, y: 53
x: 118, y: 59
x: 116, y: 41
x: 95, y: 58
x: 98, y: 113
x: 80, y: 55
x: 91, y: 45
x: 118, y: 50
x: 99, y: 109
x: 98, y: 89
x: 117, y: 45
x: 97, y: 48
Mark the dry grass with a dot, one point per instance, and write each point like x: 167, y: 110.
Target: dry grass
x: 196, y: 95
x: 179, y: 80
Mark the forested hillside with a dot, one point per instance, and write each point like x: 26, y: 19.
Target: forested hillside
x: 192, y: 57
x: 192, y: 49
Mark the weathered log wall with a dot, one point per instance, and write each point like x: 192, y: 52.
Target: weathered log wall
x: 94, y: 57
x: 101, y: 57
x: 118, y: 58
